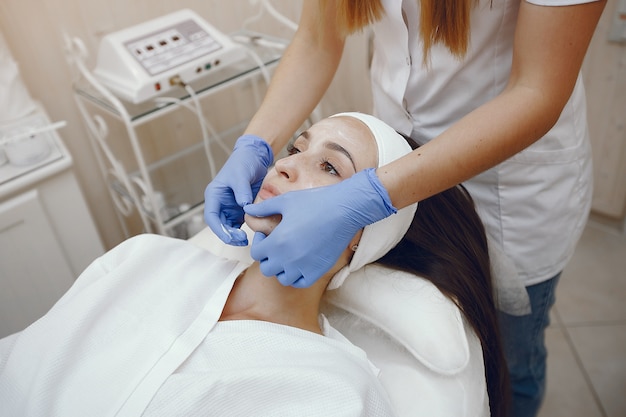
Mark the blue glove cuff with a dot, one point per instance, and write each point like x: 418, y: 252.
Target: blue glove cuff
x: 264, y: 149
x: 381, y: 190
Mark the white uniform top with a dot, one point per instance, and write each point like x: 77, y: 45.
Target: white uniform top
x: 138, y: 335
x: 536, y: 203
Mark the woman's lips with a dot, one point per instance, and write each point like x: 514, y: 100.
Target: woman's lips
x: 268, y: 191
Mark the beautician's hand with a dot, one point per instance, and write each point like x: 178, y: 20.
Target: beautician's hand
x: 234, y: 186
x: 317, y: 225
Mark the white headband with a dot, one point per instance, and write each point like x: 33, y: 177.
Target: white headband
x: 380, y: 237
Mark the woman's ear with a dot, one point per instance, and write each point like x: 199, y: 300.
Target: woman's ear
x: 354, y: 243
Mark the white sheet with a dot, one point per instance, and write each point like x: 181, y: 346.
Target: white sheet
x: 429, y: 357
x: 266, y: 369
x: 133, y: 331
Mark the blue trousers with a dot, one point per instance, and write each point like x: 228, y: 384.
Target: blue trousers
x: 525, y: 350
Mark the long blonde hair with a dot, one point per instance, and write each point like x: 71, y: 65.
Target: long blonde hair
x: 445, y: 22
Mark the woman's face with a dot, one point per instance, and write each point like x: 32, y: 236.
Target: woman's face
x: 329, y: 152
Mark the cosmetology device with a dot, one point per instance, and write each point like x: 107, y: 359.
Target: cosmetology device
x: 149, y: 59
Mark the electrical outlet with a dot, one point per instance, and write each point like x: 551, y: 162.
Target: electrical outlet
x: 617, y: 33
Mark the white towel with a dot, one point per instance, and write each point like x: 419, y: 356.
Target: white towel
x: 378, y: 238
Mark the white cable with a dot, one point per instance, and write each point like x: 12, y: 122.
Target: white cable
x: 245, y: 41
x: 204, y: 122
x: 242, y: 39
x: 278, y: 16
x: 205, y: 127
x: 253, y: 18
x: 265, y: 5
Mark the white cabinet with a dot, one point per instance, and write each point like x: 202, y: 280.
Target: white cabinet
x: 47, y: 237
x: 33, y: 268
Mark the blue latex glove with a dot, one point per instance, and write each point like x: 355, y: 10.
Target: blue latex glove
x: 234, y: 186
x: 317, y: 225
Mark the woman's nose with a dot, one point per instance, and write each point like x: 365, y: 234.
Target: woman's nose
x: 287, y: 167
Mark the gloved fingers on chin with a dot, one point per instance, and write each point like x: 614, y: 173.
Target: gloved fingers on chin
x: 270, y: 269
x: 264, y: 208
x: 243, y: 194
x: 301, y: 283
x: 256, y: 250
x: 289, y: 276
x: 284, y: 279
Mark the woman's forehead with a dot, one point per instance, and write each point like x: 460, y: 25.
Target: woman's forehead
x: 351, y: 133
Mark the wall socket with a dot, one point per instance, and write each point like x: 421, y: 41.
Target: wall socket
x: 617, y: 33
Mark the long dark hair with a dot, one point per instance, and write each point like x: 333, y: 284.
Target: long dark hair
x: 446, y: 244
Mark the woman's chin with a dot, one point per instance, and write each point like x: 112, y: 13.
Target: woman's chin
x: 264, y: 225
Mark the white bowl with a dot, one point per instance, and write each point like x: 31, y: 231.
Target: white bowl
x: 27, y: 150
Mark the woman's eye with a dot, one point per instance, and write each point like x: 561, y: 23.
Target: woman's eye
x: 292, y: 150
x: 328, y: 167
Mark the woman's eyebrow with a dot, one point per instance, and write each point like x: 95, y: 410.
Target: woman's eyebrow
x: 332, y: 146
x: 337, y: 147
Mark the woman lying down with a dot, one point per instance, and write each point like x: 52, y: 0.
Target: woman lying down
x: 160, y: 327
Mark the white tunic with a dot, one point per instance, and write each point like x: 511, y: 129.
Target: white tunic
x: 536, y: 203
x: 137, y: 334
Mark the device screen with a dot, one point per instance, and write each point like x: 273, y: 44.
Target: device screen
x: 172, y: 46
